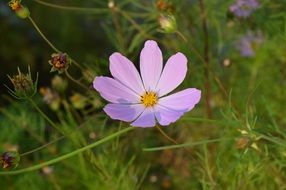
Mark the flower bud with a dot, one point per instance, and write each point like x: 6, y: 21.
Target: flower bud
x: 20, y: 10
x: 59, y: 84
x: 24, y: 87
x: 51, y: 97
x: 111, y: 4
x: 242, y: 143
x: 59, y: 62
x: 78, y: 101
x: 165, y: 6
x: 168, y: 23
x: 9, y: 160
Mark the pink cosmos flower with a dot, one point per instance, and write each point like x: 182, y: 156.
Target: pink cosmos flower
x: 145, y: 100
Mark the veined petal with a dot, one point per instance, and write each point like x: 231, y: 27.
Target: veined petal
x: 124, y: 112
x: 113, y: 91
x: 124, y: 70
x: 151, y: 64
x: 166, y: 116
x: 173, y: 74
x: 146, y: 119
x: 182, y: 101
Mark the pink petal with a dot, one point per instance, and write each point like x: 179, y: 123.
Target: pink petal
x: 182, y: 101
x: 165, y: 116
x: 114, y: 91
x: 146, y: 119
x: 124, y: 112
x: 124, y: 70
x: 173, y: 74
x: 151, y: 63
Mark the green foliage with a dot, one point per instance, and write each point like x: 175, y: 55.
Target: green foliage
x: 241, y: 146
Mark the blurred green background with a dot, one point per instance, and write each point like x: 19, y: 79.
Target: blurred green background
x: 239, y: 63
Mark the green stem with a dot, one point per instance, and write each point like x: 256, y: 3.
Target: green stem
x: 43, y: 36
x: 66, y: 156
x: 43, y: 114
x: 182, y: 36
x: 71, y: 8
x: 273, y: 140
x: 136, y: 26
x: 50, y: 43
x: 166, y: 136
x: 41, y: 147
x: 185, y: 145
x: 75, y: 81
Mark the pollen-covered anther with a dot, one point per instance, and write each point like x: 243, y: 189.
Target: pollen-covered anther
x: 149, y: 99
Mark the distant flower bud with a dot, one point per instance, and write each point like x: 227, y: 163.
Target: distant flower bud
x: 9, y: 160
x: 168, y: 23
x: 78, y: 101
x: 59, y: 84
x: 242, y: 143
x: 51, y: 97
x: 111, y: 4
x: 165, y: 6
x: 20, y: 10
x: 59, y: 62
x: 24, y: 87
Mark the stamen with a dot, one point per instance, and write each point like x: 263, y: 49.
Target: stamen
x: 149, y: 99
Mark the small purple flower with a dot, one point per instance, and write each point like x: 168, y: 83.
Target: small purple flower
x: 244, y: 8
x: 248, y: 43
x: 143, y: 100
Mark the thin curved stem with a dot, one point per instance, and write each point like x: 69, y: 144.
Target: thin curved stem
x: 43, y: 36
x: 68, y: 155
x: 206, y: 58
x: 182, y: 36
x: 44, y: 115
x: 166, y: 136
x: 72, y: 8
x: 186, y: 144
x: 50, y: 43
x: 173, y: 140
x: 41, y: 147
x: 136, y: 26
x: 74, y: 80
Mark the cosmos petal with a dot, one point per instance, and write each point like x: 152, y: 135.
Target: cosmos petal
x: 151, y: 64
x: 115, y: 92
x: 166, y: 116
x: 173, y: 74
x: 124, y: 70
x: 146, y: 119
x: 182, y: 101
x: 124, y: 112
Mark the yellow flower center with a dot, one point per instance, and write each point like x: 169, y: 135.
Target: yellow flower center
x: 149, y: 99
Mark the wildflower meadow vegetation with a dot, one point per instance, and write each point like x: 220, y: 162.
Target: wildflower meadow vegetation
x: 143, y: 94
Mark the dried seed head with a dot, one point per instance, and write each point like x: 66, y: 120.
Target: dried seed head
x: 9, y: 160
x: 59, y: 62
x: 24, y: 87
